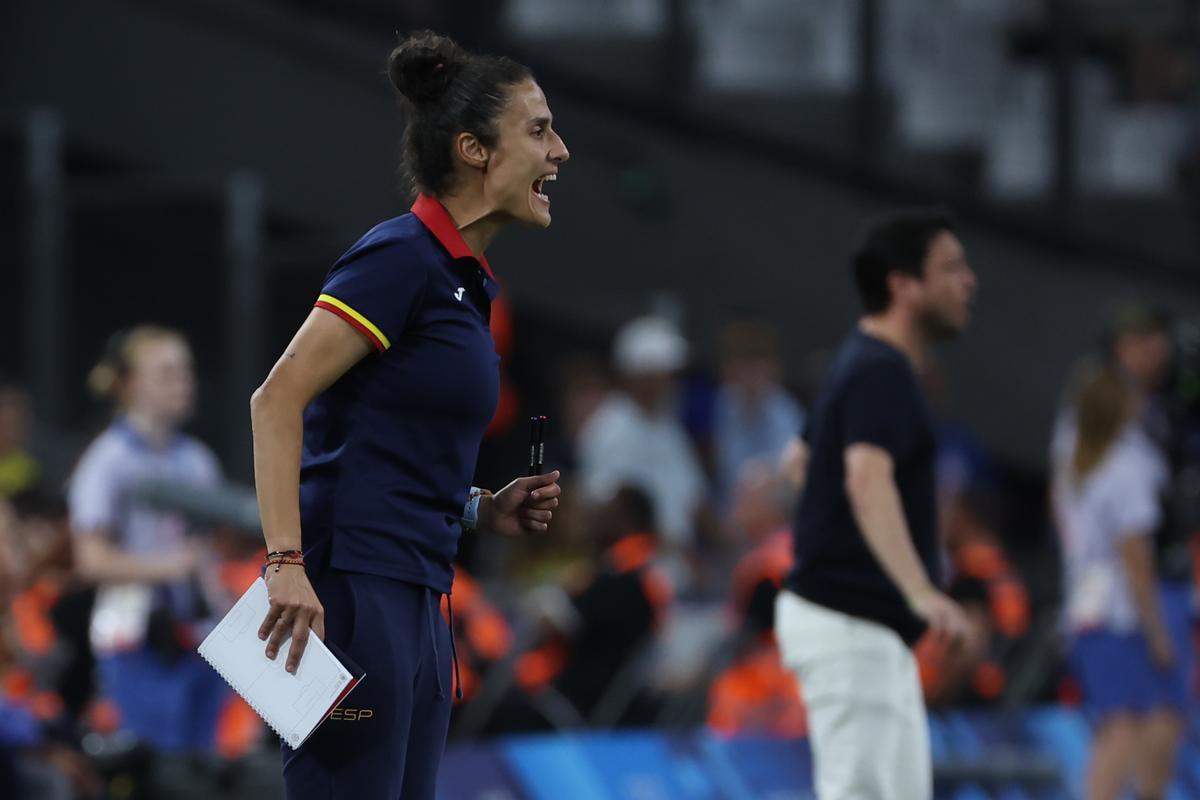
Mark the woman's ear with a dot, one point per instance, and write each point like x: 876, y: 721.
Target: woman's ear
x: 471, y: 150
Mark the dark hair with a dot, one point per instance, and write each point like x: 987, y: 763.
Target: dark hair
x: 1139, y: 319
x: 39, y: 502
x: 446, y: 91
x: 746, y: 337
x: 637, y: 507
x: 900, y: 242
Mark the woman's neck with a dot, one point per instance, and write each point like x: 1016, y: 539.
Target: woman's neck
x: 154, y: 430
x: 475, y: 219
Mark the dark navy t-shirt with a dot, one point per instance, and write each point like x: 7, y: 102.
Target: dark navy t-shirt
x: 390, y: 448
x: 870, y: 396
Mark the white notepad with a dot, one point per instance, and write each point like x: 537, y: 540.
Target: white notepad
x: 292, y: 704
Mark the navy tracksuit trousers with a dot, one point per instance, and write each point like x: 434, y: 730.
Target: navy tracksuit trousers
x: 385, y: 740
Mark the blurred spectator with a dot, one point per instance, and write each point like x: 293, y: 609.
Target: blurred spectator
x: 981, y: 577
x: 1141, y: 348
x: 997, y: 605
x: 585, y: 383
x: 616, y: 604
x: 756, y: 694
x: 635, y: 438
x: 19, y: 471
x: 50, y: 608
x: 1128, y: 640
x: 963, y: 465
x: 146, y: 566
x: 482, y: 633
x: 37, y: 759
x: 754, y: 415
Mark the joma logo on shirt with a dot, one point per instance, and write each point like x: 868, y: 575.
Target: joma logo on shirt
x: 351, y: 714
x: 458, y: 294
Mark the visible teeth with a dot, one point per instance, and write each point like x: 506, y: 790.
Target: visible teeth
x: 539, y: 184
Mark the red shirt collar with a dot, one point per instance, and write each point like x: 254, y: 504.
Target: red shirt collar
x: 437, y: 219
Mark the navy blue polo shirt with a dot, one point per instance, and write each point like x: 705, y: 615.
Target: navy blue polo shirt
x: 390, y: 448
x: 871, y: 395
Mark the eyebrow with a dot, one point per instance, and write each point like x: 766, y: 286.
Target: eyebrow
x: 541, y: 121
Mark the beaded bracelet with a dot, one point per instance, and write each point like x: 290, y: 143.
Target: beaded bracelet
x: 282, y: 557
x: 285, y: 554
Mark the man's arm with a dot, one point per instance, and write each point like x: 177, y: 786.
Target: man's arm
x: 875, y: 502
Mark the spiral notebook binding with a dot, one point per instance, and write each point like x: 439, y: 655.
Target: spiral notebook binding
x: 253, y: 705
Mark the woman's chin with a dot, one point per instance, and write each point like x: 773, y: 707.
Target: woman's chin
x: 538, y: 216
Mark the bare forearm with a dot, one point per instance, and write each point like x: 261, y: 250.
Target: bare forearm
x: 100, y: 562
x: 1139, y: 567
x: 880, y: 516
x: 278, y: 430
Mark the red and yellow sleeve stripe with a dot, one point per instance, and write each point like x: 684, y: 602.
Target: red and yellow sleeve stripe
x: 360, y: 323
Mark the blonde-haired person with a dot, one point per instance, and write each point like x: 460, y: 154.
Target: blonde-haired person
x: 142, y: 558
x: 1106, y: 482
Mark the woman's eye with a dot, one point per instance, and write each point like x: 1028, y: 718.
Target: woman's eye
x: 539, y: 132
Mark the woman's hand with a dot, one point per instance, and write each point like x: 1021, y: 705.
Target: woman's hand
x: 524, y: 506
x: 294, y: 609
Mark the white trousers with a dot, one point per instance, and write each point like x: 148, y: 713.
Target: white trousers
x: 866, y: 713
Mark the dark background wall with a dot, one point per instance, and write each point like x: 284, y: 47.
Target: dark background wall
x: 208, y: 89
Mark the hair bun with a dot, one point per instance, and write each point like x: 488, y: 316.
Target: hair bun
x: 423, y: 65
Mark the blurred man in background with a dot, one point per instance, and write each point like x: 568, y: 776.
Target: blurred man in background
x: 865, y: 585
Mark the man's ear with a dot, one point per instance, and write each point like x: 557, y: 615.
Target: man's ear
x: 899, y: 283
x: 468, y: 147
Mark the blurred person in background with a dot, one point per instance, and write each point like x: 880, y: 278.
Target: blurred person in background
x: 39, y: 754
x: 757, y: 694
x: 483, y: 634
x: 51, y: 609
x: 1125, y: 640
x: 635, y: 437
x: 143, y: 559
x: 584, y: 383
x: 1142, y: 346
x: 755, y: 416
x: 19, y: 470
x: 980, y: 575
x: 367, y: 430
x: 867, y: 562
x: 984, y: 581
x: 611, y: 609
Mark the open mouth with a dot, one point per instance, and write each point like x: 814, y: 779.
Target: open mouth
x: 539, y: 187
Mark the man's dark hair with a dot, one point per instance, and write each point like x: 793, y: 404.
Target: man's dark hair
x: 898, y: 241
